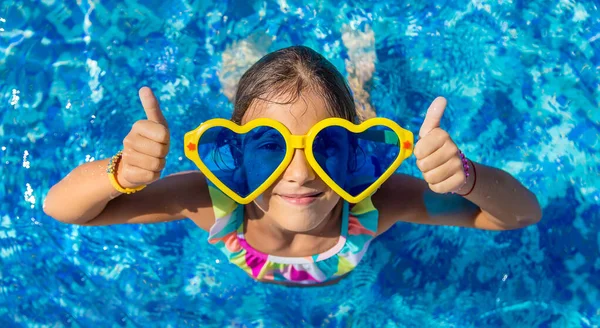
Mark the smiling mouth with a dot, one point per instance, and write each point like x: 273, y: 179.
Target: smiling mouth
x: 301, y: 199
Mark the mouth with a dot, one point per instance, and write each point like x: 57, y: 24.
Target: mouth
x: 301, y: 199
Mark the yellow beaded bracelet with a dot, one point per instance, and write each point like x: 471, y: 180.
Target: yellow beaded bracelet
x: 112, y: 168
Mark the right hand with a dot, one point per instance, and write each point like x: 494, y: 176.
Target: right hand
x: 145, y: 147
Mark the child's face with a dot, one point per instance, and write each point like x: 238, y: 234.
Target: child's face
x: 299, y: 200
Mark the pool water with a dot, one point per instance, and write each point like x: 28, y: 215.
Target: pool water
x: 521, y: 79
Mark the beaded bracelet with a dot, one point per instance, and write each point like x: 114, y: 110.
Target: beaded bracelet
x: 112, y: 169
x: 467, y: 174
x: 474, y: 179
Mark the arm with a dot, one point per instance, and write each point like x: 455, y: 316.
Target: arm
x: 498, y: 202
x: 86, y: 197
x: 81, y: 195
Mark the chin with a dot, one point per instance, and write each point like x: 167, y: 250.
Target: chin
x: 299, y: 222
x: 303, y: 218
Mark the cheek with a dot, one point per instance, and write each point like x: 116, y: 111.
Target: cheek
x: 264, y: 198
x: 331, y: 198
x: 260, y: 200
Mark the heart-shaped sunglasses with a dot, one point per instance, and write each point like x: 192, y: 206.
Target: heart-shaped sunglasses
x: 353, y: 160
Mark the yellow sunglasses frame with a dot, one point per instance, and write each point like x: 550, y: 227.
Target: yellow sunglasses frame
x: 294, y: 142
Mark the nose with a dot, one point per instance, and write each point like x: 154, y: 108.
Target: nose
x: 299, y: 171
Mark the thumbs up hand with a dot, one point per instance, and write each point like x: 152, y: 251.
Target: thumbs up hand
x: 437, y: 155
x: 145, y: 147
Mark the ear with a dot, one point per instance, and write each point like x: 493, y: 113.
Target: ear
x: 239, y: 173
x: 237, y: 154
x: 352, y: 168
x: 353, y: 152
x: 239, y: 176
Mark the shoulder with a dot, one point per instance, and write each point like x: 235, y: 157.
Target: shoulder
x: 189, y: 190
x: 398, y: 199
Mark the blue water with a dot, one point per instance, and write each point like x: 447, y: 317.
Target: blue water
x: 521, y: 78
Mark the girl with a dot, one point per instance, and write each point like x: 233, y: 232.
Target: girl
x: 298, y: 230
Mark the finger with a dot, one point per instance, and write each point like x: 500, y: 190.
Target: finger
x: 146, y: 146
x: 143, y: 161
x: 444, y: 171
x: 151, y: 106
x: 427, y: 146
x: 433, y: 116
x: 440, y: 155
x: 152, y: 131
x: 448, y: 185
x: 137, y: 176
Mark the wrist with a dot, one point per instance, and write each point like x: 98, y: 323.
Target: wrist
x: 468, y: 187
x: 112, y: 170
x: 114, y: 194
x: 118, y: 169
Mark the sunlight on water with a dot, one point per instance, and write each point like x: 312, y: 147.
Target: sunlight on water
x: 521, y: 79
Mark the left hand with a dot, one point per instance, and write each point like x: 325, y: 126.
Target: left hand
x: 436, y: 153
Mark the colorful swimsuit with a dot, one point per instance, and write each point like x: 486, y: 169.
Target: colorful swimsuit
x: 359, y: 226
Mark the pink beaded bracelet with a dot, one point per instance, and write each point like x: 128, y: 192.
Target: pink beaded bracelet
x: 467, y: 174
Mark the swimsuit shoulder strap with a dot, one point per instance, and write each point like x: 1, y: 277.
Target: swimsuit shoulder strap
x: 365, y: 215
x: 228, y: 215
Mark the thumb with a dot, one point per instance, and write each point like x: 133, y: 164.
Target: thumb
x: 433, y: 116
x: 151, y: 106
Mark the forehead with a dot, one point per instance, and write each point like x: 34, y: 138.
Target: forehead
x: 298, y: 116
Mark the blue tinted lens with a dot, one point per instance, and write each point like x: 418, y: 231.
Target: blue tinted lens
x: 242, y: 161
x: 264, y: 150
x: 355, y: 160
x: 331, y: 149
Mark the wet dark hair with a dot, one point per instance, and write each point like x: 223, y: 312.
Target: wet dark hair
x: 289, y: 72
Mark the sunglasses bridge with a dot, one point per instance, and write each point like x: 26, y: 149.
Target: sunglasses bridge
x: 297, y: 142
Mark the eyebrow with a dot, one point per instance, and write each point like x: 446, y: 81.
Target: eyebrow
x: 212, y: 136
x: 261, y: 132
